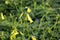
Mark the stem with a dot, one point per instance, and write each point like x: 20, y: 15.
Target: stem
x: 34, y: 5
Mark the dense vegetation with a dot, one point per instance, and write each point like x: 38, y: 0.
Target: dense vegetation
x: 29, y: 19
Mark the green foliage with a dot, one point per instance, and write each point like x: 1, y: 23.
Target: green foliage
x: 29, y: 19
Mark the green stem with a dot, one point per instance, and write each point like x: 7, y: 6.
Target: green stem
x: 21, y: 5
x: 34, y: 5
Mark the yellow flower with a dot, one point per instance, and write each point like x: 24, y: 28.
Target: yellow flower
x: 29, y: 18
x: 6, y: 2
x: 28, y: 10
x: 13, y: 34
x: 33, y: 38
x: 2, y: 16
